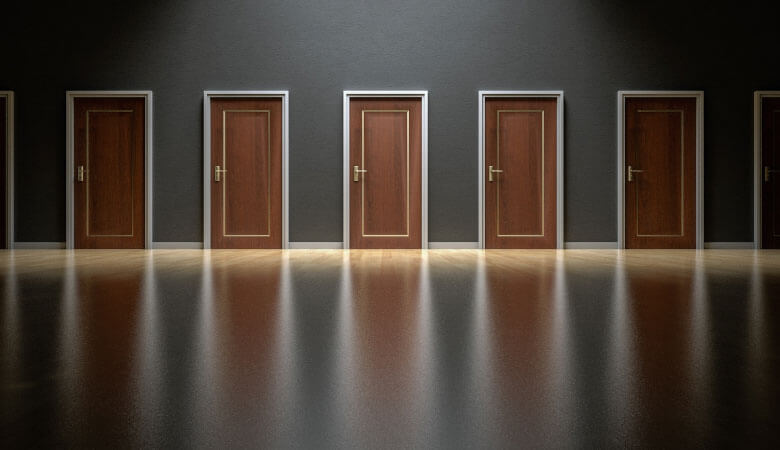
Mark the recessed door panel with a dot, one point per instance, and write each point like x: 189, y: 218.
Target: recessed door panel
x: 109, y: 179
x: 385, y: 163
x: 246, y: 155
x: 770, y: 159
x: 660, y: 145
x: 520, y: 172
x: 3, y: 183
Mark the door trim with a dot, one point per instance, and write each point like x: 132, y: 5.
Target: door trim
x: 207, y: 96
x: 423, y: 96
x: 757, y: 163
x: 9, y: 169
x: 558, y: 95
x: 621, y: 101
x: 70, y: 96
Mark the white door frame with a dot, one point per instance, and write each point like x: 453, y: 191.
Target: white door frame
x: 758, y: 163
x: 207, y: 96
x: 9, y: 168
x: 423, y: 95
x: 70, y: 96
x: 558, y: 95
x: 621, y: 100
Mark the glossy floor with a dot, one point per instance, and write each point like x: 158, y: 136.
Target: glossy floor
x: 391, y: 349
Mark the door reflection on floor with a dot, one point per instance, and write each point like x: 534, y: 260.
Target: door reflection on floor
x: 389, y: 348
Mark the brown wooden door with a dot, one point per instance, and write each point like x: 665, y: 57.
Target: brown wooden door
x: 770, y: 159
x: 660, y: 182
x: 385, y: 206
x: 246, y: 173
x: 3, y: 156
x: 109, y: 206
x: 520, y: 172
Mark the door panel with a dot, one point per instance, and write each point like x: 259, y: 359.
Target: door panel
x: 109, y: 194
x: 770, y: 158
x: 3, y: 155
x: 520, y: 156
x: 660, y: 145
x: 385, y: 201
x: 246, y: 193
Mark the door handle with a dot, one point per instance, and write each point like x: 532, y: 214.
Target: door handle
x: 80, y: 174
x: 491, y: 171
x: 217, y: 171
x: 356, y: 171
x: 768, y: 171
x: 631, y: 173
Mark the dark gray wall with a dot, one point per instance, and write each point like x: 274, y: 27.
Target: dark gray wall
x: 453, y: 48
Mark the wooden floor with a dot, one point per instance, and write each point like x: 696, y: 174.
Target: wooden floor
x: 390, y: 348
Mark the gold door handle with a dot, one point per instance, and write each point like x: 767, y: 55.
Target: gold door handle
x: 80, y: 174
x: 356, y: 171
x: 217, y: 171
x: 491, y: 171
x: 631, y: 173
x: 768, y: 171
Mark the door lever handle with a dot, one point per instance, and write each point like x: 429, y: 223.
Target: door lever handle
x: 491, y: 171
x: 356, y: 171
x: 80, y: 174
x: 767, y: 172
x: 631, y: 173
x: 217, y: 171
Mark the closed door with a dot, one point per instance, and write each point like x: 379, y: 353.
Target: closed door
x: 3, y: 160
x: 109, y: 136
x: 520, y: 172
x: 660, y: 182
x: 246, y: 178
x: 386, y: 172
x: 770, y: 159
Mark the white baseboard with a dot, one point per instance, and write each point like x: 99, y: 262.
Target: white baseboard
x: 316, y: 245
x: 177, y: 245
x: 38, y: 245
x: 591, y: 245
x: 452, y: 245
x: 730, y: 245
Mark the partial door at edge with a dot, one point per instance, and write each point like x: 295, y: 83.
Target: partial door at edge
x: 109, y: 201
x: 385, y: 145
x: 3, y: 159
x: 520, y: 172
x: 770, y: 166
x: 246, y: 178
x: 660, y: 181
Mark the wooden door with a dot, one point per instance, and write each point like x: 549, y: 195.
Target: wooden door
x: 520, y: 172
x: 109, y: 143
x: 3, y: 160
x: 246, y: 173
x: 770, y: 159
x: 660, y: 182
x: 385, y: 205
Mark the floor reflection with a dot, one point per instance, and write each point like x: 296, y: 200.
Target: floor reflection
x: 399, y: 349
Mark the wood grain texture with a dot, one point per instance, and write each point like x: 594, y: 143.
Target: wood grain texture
x: 246, y: 204
x: 109, y: 138
x: 385, y: 204
x: 770, y: 157
x: 660, y: 202
x: 3, y: 153
x: 520, y: 204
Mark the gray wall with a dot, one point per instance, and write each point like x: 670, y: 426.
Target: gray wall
x: 452, y: 48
